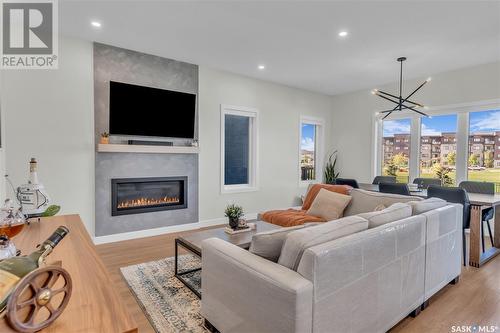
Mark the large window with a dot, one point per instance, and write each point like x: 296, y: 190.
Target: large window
x: 396, y: 148
x: 483, y: 158
x: 453, y: 144
x: 310, y: 149
x: 438, y: 148
x: 238, y: 149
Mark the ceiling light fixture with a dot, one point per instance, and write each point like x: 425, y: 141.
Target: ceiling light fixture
x: 96, y: 24
x: 262, y: 67
x: 401, y: 103
x: 343, y: 34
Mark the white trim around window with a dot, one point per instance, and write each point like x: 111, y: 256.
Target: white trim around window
x: 253, y: 160
x: 461, y: 110
x: 319, y: 149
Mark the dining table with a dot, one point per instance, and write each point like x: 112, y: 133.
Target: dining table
x: 478, y: 202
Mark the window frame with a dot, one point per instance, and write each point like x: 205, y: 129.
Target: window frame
x: 319, y: 144
x: 253, y: 159
x: 462, y: 137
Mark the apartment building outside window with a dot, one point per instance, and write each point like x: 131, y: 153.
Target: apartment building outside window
x: 440, y: 131
x: 396, y: 138
x: 483, y: 162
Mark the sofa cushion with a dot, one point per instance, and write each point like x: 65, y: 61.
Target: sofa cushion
x: 289, y: 217
x: 366, y: 201
x: 314, y: 190
x: 268, y: 244
x: 395, y: 212
x: 298, y: 241
x: 329, y: 205
x: 419, y: 207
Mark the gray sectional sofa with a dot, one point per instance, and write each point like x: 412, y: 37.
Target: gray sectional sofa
x: 366, y: 281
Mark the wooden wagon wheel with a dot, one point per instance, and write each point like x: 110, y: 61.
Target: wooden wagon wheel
x: 39, y: 298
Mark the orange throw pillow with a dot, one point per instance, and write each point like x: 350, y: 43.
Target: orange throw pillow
x: 313, y: 192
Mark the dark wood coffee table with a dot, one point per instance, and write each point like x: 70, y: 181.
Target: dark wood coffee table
x: 192, y: 243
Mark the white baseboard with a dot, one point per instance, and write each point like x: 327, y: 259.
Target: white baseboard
x: 163, y: 230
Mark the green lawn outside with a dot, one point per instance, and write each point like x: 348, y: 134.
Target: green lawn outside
x: 489, y: 175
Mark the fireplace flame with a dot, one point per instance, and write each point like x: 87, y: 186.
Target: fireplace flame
x: 142, y: 202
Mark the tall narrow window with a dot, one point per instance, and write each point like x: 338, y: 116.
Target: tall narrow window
x: 310, y: 149
x: 484, y: 147
x: 238, y: 149
x: 438, y: 148
x: 396, y: 149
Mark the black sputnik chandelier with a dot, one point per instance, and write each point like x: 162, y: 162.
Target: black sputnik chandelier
x: 402, y: 103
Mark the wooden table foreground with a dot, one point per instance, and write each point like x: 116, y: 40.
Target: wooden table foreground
x: 94, y: 305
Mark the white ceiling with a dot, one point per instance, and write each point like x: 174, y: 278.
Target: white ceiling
x: 298, y: 41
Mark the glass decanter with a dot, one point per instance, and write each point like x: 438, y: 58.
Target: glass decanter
x: 11, y: 223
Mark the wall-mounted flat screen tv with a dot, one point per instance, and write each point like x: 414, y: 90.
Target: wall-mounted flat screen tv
x: 145, y: 111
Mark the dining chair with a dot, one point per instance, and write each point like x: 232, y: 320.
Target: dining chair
x: 424, y: 183
x: 487, y: 213
x: 386, y: 179
x: 346, y: 181
x: 394, y: 188
x: 454, y: 195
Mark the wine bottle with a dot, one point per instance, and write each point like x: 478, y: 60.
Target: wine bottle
x: 14, y: 269
x: 33, y: 179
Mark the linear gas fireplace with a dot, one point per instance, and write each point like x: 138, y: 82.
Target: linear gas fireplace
x: 143, y: 195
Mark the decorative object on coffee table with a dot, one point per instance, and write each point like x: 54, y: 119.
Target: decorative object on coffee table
x: 104, y: 138
x: 234, y: 213
x: 243, y: 226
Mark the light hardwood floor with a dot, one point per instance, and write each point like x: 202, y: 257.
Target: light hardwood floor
x: 474, y: 300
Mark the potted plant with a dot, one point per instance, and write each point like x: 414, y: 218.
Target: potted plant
x: 330, y: 173
x: 104, y: 138
x: 234, y: 213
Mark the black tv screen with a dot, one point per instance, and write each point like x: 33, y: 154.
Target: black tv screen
x: 146, y: 111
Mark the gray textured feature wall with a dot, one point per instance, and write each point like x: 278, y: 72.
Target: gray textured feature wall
x: 125, y: 165
x: 116, y: 64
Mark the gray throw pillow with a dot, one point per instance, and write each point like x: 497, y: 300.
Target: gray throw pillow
x: 395, y: 212
x: 419, y: 207
x: 366, y: 201
x: 299, y: 240
x: 268, y: 244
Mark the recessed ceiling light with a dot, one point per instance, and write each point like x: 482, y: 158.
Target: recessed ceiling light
x: 261, y: 67
x: 96, y: 24
x: 343, y: 33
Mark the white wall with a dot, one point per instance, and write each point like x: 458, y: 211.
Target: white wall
x: 352, y: 118
x: 2, y: 147
x: 49, y: 115
x: 279, y: 108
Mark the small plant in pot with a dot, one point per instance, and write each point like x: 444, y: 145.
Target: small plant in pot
x: 234, y: 213
x: 104, y: 138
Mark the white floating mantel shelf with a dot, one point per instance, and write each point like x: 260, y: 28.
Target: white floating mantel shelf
x: 120, y: 148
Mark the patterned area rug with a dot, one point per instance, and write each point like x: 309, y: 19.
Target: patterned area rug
x: 169, y: 305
